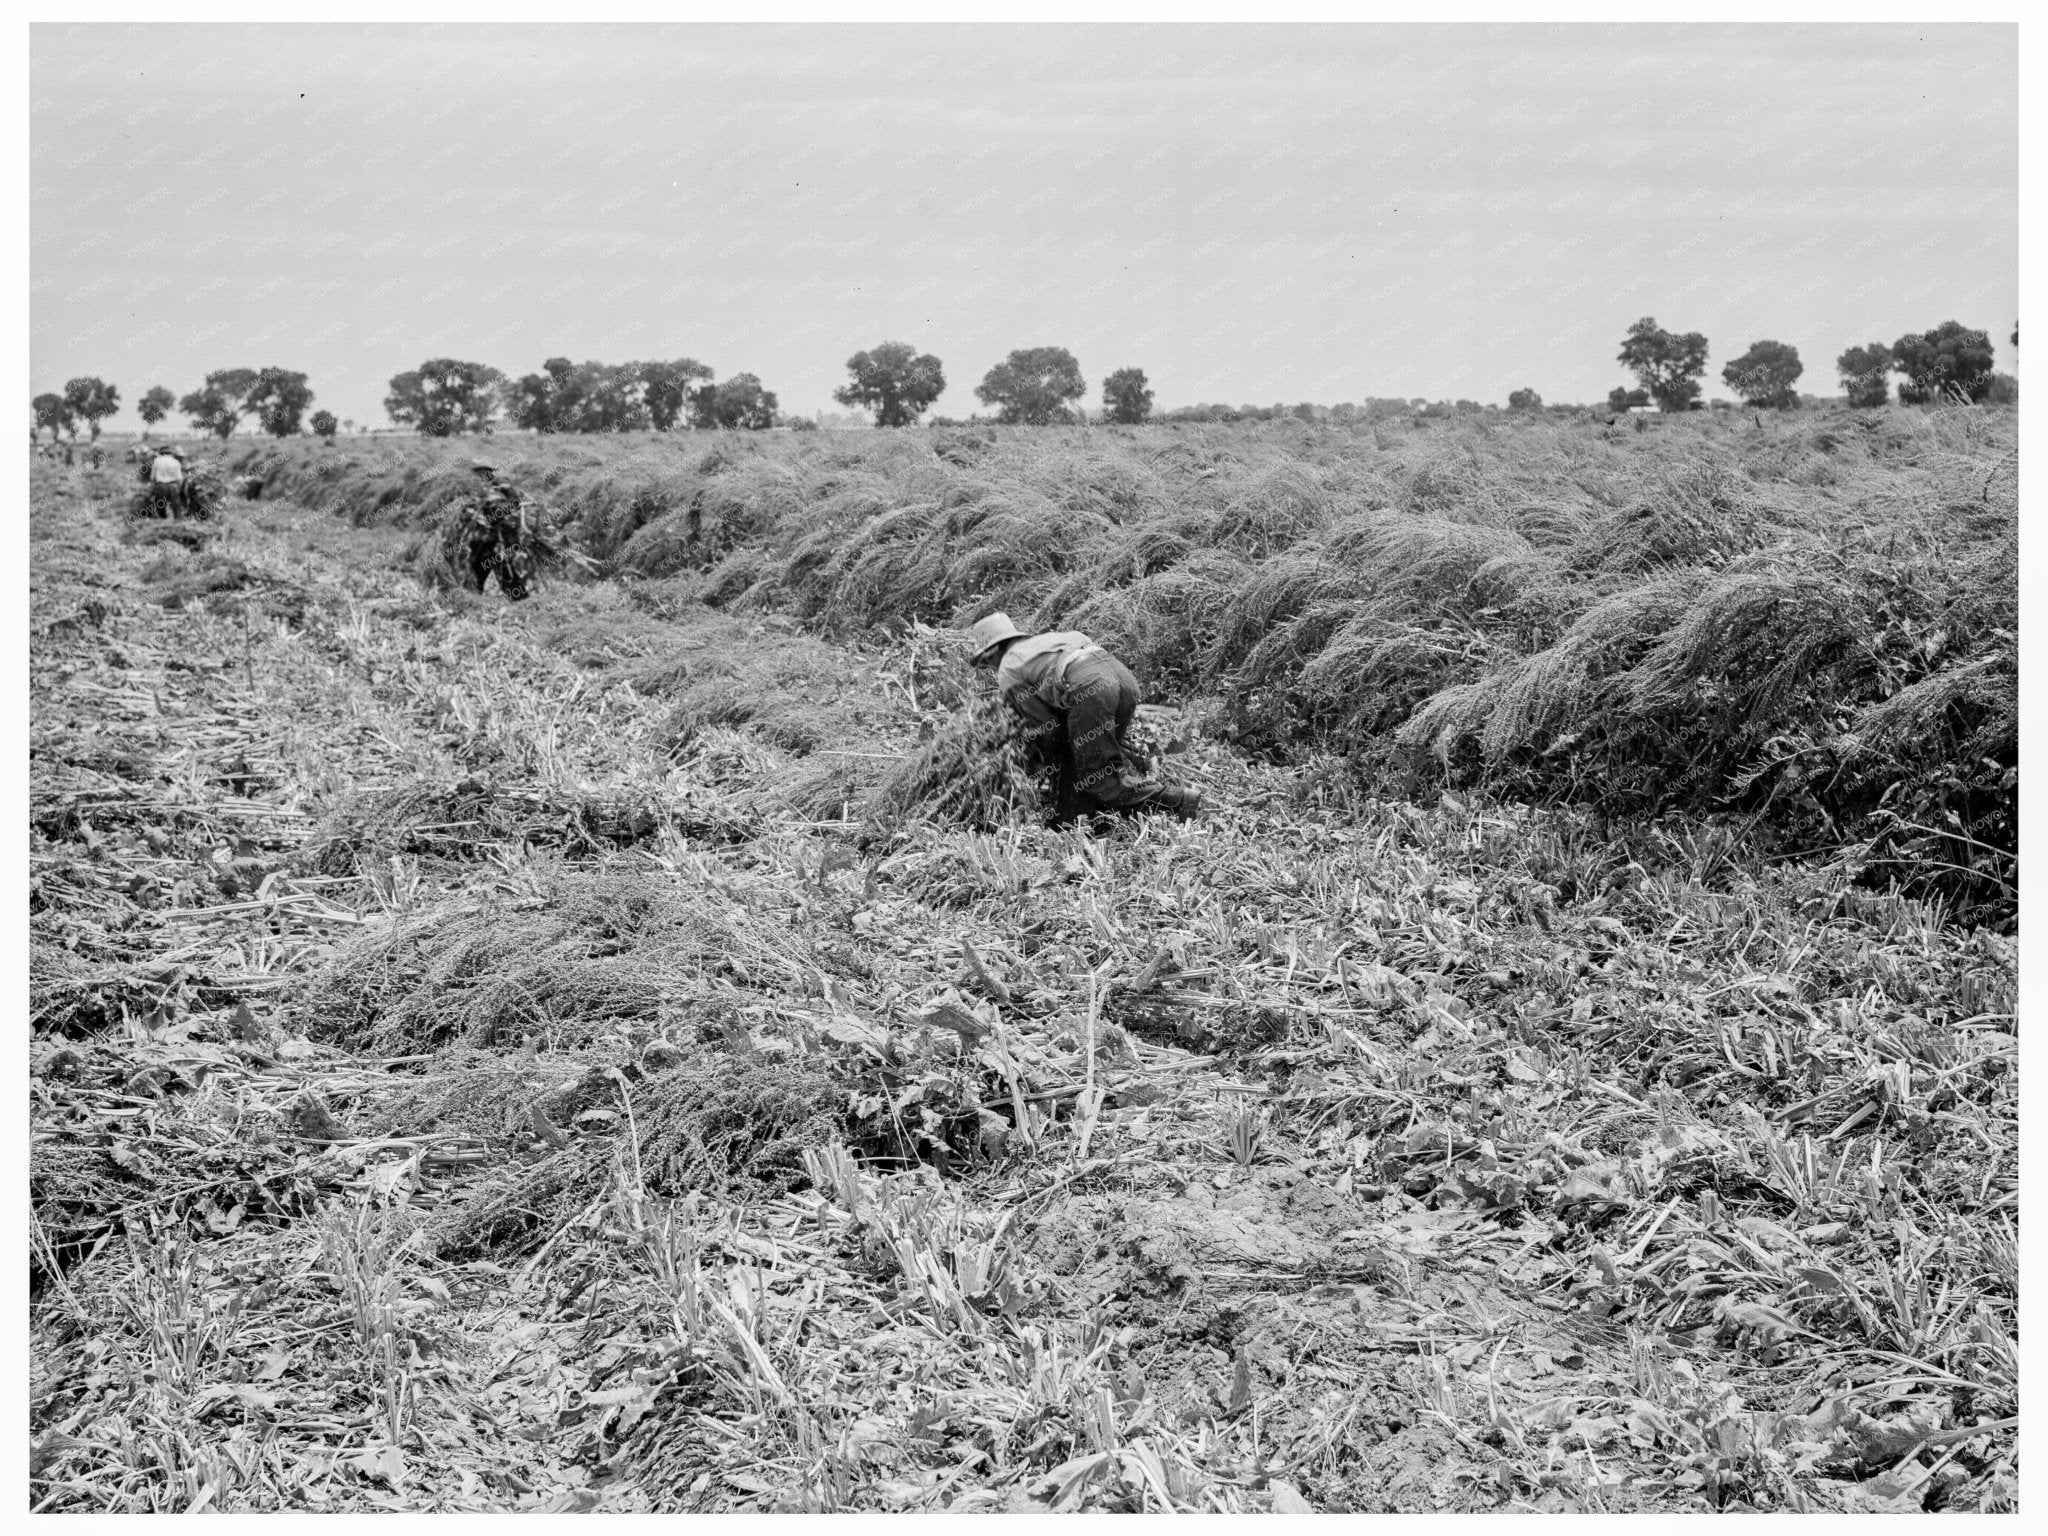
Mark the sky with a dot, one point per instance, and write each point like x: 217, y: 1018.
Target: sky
x: 1250, y: 214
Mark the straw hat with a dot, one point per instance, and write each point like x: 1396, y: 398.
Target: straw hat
x: 991, y: 632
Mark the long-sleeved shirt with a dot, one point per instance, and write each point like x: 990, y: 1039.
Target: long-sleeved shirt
x: 166, y: 470
x: 1028, y: 678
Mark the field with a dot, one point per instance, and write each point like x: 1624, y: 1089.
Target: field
x: 541, y: 1057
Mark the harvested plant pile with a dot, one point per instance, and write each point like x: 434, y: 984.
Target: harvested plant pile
x: 982, y: 768
x: 591, y: 952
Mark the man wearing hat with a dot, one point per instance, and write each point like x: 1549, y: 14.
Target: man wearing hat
x: 494, y: 533
x: 1065, y: 682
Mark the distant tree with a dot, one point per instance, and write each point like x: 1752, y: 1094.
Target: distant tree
x: 219, y: 404
x: 280, y: 398
x: 1619, y: 399
x: 666, y: 389
x: 1765, y: 374
x: 895, y: 381
x: 602, y: 397
x: 444, y: 397
x: 1865, y: 374
x: 1950, y: 362
x: 546, y: 401
x: 52, y: 411
x: 324, y: 424
x: 1665, y: 363
x: 92, y: 401
x: 740, y: 402
x: 155, y: 406
x: 1525, y: 400
x: 609, y: 398
x: 2004, y: 389
x: 1033, y: 386
x: 1127, y: 397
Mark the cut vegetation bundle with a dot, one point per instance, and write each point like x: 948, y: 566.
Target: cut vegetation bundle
x: 594, y: 953
x: 982, y: 767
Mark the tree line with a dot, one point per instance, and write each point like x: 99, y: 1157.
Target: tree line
x: 442, y: 397
x: 275, y: 397
x: 1032, y: 386
x: 1950, y: 363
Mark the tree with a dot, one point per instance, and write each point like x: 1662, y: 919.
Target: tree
x: 666, y: 389
x: 1525, y: 400
x: 1765, y: 374
x: 219, y: 404
x: 1864, y: 373
x: 739, y: 402
x: 1619, y: 399
x: 603, y: 397
x: 155, y: 406
x: 895, y: 381
x: 1033, y: 386
x: 280, y: 399
x: 608, y: 399
x: 52, y: 411
x: 1126, y: 396
x: 324, y: 424
x: 92, y: 401
x: 1664, y: 363
x: 546, y: 401
x: 445, y: 396
x: 1949, y: 362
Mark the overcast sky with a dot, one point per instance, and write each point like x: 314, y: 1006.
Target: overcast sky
x: 1250, y: 214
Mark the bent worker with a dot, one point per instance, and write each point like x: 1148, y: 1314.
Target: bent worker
x: 1066, y: 683
x: 496, y: 532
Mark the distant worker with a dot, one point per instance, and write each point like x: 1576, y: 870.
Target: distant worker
x: 496, y: 532
x: 164, y: 475
x: 1070, y: 686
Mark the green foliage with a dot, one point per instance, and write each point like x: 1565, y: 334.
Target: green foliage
x: 53, y: 411
x: 1948, y: 363
x: 1619, y: 399
x: 1525, y: 400
x: 156, y: 405
x: 324, y: 424
x: 279, y: 399
x: 666, y: 389
x: 1764, y: 375
x: 1033, y: 386
x: 1865, y: 373
x: 740, y: 402
x: 1665, y: 363
x: 445, y: 397
x: 894, y: 381
x: 91, y: 400
x: 1127, y: 397
x: 218, y: 406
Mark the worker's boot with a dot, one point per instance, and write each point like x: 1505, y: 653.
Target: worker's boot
x: 1184, y: 803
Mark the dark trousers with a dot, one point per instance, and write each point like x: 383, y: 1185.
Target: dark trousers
x: 1096, y: 772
